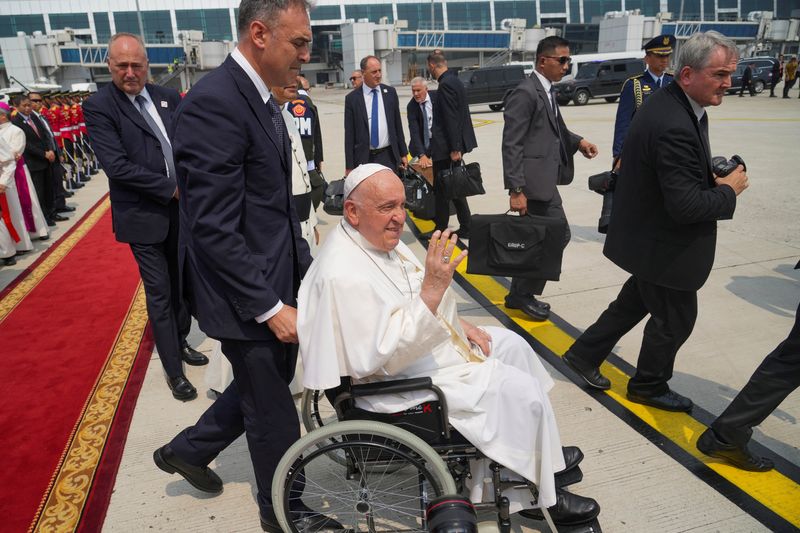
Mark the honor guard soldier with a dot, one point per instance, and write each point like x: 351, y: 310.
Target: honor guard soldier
x: 306, y: 118
x: 638, y: 88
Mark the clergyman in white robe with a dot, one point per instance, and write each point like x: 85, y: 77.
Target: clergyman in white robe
x: 12, y: 140
x: 360, y: 314
x: 219, y: 373
x: 8, y: 166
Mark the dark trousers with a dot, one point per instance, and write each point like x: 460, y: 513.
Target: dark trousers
x: 57, y: 180
x: 749, y: 86
x: 258, y: 403
x: 553, y: 208
x: 672, y: 317
x: 385, y: 157
x: 787, y: 85
x: 158, y: 267
x: 776, y: 378
x: 442, y: 216
x: 43, y: 183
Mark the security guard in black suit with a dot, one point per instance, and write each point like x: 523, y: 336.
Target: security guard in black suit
x: 637, y: 89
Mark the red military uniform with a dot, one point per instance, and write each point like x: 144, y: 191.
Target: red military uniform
x: 66, y: 123
x: 53, y: 116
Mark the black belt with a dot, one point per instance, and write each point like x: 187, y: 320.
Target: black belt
x: 302, y: 204
x: 373, y: 151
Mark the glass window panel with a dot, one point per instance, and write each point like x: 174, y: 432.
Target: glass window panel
x: 372, y: 12
x: 102, y: 27
x: 326, y: 13
x: 522, y: 9
x: 214, y: 23
x: 419, y: 16
x: 11, y: 24
x: 157, y: 25
x: 469, y: 16
x: 593, y: 11
x: 649, y: 8
x: 59, y: 21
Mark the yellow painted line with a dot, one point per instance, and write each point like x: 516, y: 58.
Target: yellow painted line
x: 24, y: 287
x: 482, y: 122
x: 749, y: 119
x: 772, y: 489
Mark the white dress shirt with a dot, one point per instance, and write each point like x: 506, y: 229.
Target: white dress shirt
x: 547, y: 84
x: 150, y: 107
x: 429, y: 110
x: 383, y: 131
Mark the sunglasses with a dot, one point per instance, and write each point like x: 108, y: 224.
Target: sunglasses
x: 561, y: 59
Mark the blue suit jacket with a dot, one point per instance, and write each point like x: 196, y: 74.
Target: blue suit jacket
x: 416, y: 125
x: 356, y: 126
x: 240, y: 248
x: 627, y: 105
x: 131, y: 156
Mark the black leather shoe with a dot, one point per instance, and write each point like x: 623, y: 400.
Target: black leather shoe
x: 192, y: 356
x: 543, y: 305
x: 51, y: 223
x: 9, y: 261
x: 312, y: 520
x: 181, y: 388
x: 59, y: 218
x: 569, y: 509
x: 65, y: 209
x: 46, y: 237
x: 200, y: 477
x: 69, y: 194
x: 528, y: 305
x: 590, y: 374
x: 709, y: 444
x: 669, y: 401
x: 572, y: 458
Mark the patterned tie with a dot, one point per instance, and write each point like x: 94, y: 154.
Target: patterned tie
x: 277, y: 121
x: 374, y: 138
x: 29, y: 120
x: 166, y: 147
x: 426, y: 132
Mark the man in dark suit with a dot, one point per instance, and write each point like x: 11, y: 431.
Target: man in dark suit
x: 747, y: 80
x: 373, y: 131
x: 663, y: 226
x: 39, y: 156
x: 242, y: 253
x: 56, y: 170
x: 420, y: 119
x: 775, y: 378
x: 452, y: 136
x: 537, y: 156
x: 131, y: 126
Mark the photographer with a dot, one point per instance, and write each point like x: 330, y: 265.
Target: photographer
x: 663, y: 225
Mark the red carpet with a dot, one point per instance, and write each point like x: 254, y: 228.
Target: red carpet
x: 73, y: 358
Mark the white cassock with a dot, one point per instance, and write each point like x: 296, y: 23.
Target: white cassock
x: 219, y: 373
x: 8, y: 248
x: 8, y: 166
x: 360, y: 315
x: 15, y: 140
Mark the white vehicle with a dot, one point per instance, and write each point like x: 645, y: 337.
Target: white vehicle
x: 527, y: 66
x: 84, y: 87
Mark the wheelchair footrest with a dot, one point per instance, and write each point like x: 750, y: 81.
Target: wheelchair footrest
x: 588, y: 527
x: 569, y: 478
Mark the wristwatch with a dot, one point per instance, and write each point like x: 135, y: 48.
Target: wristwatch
x: 515, y: 190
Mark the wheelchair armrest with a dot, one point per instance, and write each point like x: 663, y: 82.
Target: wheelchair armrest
x: 391, y: 387
x: 395, y: 387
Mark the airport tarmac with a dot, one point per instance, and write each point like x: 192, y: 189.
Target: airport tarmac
x: 745, y: 308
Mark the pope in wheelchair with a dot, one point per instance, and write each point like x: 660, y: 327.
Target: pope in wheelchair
x: 369, y: 310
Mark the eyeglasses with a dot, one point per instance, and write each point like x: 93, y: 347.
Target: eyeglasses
x: 561, y: 59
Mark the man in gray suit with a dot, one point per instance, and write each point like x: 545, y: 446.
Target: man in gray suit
x: 537, y: 156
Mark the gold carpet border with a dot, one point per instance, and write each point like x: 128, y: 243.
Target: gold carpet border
x: 23, y: 288
x: 67, y: 493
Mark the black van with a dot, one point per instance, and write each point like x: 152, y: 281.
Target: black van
x: 491, y: 85
x: 600, y: 79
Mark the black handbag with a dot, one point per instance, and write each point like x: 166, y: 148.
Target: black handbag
x: 527, y: 246
x: 460, y: 180
x: 333, y: 202
x: 417, y: 189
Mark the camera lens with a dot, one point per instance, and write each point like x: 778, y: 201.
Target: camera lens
x: 452, y: 514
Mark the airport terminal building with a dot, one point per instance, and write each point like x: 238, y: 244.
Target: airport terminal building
x: 63, y: 41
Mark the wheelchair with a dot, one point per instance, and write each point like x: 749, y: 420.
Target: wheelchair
x: 375, y: 472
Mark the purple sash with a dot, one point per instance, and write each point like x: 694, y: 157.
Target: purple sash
x: 24, y: 195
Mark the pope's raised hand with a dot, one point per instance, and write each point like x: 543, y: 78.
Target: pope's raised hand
x: 440, y: 264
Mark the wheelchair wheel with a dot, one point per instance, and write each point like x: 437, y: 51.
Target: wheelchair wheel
x: 315, y: 410
x: 388, y: 478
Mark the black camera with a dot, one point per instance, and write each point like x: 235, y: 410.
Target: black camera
x: 722, y: 167
x: 452, y: 514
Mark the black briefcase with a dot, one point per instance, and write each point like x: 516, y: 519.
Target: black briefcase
x: 333, y: 200
x: 417, y: 189
x: 460, y: 180
x: 528, y: 246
